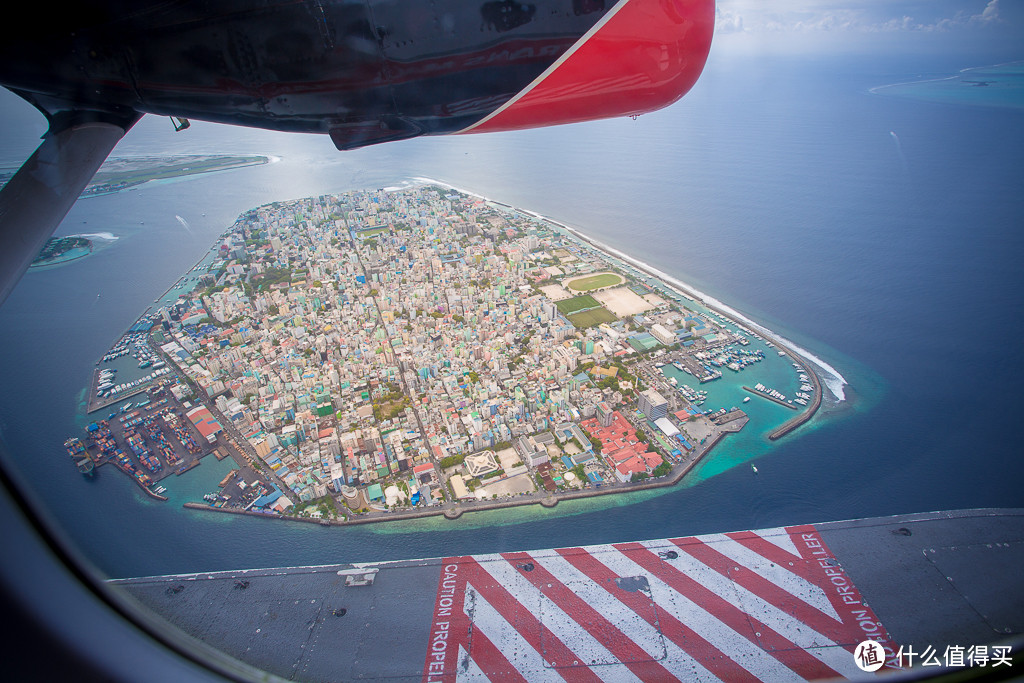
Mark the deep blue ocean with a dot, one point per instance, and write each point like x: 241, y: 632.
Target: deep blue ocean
x: 881, y: 233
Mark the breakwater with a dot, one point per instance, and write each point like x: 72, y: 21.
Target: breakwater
x: 806, y: 415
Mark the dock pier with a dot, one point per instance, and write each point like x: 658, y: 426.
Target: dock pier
x: 771, y: 398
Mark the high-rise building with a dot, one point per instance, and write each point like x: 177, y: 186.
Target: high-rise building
x: 653, y: 404
x: 663, y: 334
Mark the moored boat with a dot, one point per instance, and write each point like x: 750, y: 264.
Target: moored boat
x: 86, y: 466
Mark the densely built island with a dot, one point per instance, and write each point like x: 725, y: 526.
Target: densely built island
x: 386, y: 354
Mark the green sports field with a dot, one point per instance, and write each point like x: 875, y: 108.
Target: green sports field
x: 577, y: 303
x: 585, y: 284
x: 592, y: 318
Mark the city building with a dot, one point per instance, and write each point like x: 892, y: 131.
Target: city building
x: 653, y: 405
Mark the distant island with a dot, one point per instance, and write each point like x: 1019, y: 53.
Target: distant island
x: 61, y: 250
x: 998, y: 85
x: 119, y: 174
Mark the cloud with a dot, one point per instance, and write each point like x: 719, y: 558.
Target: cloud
x: 727, y: 22
x: 861, y: 16
x: 989, y: 14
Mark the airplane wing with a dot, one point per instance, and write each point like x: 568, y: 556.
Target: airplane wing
x: 791, y: 603
x: 361, y: 72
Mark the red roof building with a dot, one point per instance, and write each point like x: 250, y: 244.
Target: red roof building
x: 620, y: 447
x: 205, y: 423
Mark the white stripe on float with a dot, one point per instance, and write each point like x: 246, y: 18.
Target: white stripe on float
x: 740, y: 649
x: 795, y: 585
x: 800, y: 635
x: 472, y: 672
x: 508, y: 640
x: 573, y: 635
x: 680, y: 663
x: 780, y: 538
x: 547, y: 72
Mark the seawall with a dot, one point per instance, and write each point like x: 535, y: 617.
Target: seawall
x: 456, y: 511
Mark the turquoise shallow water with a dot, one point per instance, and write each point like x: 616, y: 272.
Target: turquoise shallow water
x: 999, y: 85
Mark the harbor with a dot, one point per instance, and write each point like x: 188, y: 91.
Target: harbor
x: 148, y: 440
x: 117, y: 376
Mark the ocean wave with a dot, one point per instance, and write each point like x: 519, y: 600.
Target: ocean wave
x: 832, y: 379
x: 875, y: 89
x: 433, y: 181
x: 105, y: 236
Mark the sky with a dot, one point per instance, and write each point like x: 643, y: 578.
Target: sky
x: 866, y: 25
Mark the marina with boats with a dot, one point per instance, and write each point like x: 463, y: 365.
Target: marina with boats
x: 111, y: 382
x: 729, y: 357
x: 702, y: 373
x: 772, y: 395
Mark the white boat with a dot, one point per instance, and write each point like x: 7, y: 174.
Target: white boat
x: 747, y: 398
